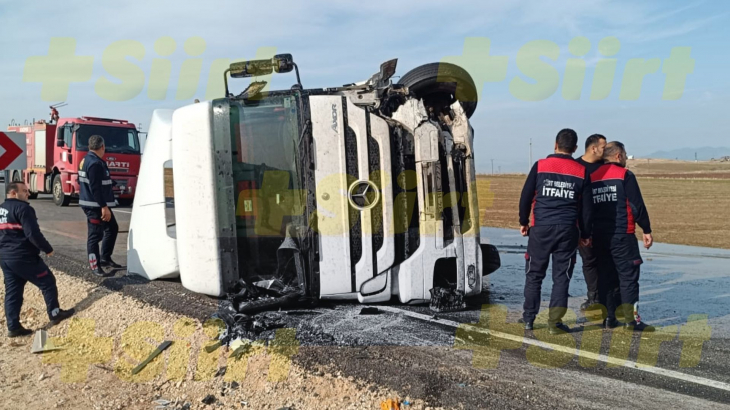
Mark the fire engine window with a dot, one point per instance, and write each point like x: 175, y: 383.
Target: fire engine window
x: 117, y: 140
x: 66, y: 135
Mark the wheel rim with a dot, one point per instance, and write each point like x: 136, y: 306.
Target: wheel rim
x: 57, y: 191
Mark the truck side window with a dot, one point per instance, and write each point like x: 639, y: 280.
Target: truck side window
x: 67, y: 136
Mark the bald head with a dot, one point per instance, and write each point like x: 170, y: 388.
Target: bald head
x: 615, y: 152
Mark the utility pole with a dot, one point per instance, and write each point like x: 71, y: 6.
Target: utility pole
x: 492, y: 166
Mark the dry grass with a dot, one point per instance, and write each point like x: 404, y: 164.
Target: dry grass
x: 684, y: 209
x: 169, y: 188
x: 666, y: 168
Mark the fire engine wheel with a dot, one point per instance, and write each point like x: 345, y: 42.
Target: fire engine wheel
x: 442, y: 83
x: 33, y: 195
x: 59, y: 198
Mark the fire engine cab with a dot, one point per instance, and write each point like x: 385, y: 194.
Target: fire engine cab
x: 56, y: 150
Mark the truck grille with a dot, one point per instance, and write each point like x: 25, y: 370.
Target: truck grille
x: 351, y: 164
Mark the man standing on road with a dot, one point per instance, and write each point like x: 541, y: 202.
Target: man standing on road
x: 21, y: 243
x: 555, y: 192
x: 617, y: 207
x: 592, y: 160
x: 97, y: 199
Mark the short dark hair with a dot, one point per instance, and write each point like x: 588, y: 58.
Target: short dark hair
x: 593, y: 140
x: 13, y: 186
x: 567, y: 140
x: 613, y: 148
x: 95, y: 142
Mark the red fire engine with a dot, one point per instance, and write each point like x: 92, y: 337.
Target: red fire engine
x: 55, y: 151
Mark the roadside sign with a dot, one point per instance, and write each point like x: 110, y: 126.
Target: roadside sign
x: 12, y: 151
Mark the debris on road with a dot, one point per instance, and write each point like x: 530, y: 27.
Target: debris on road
x: 369, y: 311
x: 446, y: 300
x: 41, y: 343
x: 209, y: 399
x: 390, y: 404
x: 164, y: 345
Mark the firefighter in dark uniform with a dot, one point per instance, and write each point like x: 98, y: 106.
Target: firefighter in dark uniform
x: 97, y: 199
x: 21, y: 243
x: 617, y: 207
x: 592, y: 160
x: 555, y: 193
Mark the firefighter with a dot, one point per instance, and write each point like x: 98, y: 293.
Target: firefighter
x: 21, y: 243
x: 617, y: 207
x: 97, y: 199
x: 592, y: 160
x: 554, y: 193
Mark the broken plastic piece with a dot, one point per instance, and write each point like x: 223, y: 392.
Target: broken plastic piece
x: 447, y: 300
x: 164, y: 345
x: 42, y: 344
x: 390, y: 404
x: 213, y: 347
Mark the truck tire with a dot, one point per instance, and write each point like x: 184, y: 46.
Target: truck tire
x: 17, y: 176
x: 33, y: 181
x: 59, y: 198
x: 442, y: 80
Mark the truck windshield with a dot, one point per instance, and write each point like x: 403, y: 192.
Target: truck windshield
x: 118, y: 140
x: 265, y: 134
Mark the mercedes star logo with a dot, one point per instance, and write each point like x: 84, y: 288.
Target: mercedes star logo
x: 363, y: 195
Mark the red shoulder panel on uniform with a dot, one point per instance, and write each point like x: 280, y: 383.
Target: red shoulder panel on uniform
x: 608, y: 171
x: 561, y: 166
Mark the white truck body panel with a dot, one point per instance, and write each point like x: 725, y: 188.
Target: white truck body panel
x: 198, y: 248
x: 152, y: 253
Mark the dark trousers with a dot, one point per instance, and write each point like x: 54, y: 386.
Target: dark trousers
x: 560, y: 243
x: 16, y: 274
x: 619, y: 264
x: 100, y: 231
x: 590, y: 271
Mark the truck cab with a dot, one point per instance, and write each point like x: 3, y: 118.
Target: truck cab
x: 55, y: 153
x: 364, y: 192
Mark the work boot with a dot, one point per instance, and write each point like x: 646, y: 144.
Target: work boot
x: 19, y: 332
x: 558, y: 328
x: 109, y: 263
x: 639, y: 327
x: 100, y: 273
x: 611, y: 323
x: 59, y: 315
x: 590, y: 301
x: 528, y: 325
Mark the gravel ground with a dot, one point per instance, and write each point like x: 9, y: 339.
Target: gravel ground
x: 112, y: 333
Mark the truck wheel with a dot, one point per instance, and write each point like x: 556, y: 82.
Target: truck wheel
x: 17, y: 176
x: 59, y: 198
x: 33, y: 181
x: 442, y: 82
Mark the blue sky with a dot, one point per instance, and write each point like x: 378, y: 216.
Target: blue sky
x: 338, y: 42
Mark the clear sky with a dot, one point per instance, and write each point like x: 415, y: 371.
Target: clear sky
x: 339, y: 42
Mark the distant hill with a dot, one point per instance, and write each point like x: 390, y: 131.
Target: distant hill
x: 688, y: 154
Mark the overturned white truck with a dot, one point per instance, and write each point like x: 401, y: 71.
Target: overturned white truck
x: 364, y: 191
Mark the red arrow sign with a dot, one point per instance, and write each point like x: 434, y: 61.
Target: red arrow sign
x: 12, y: 151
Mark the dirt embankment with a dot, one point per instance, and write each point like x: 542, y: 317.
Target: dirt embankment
x: 111, y: 334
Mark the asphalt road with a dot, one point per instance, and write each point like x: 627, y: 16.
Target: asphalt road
x: 405, y: 348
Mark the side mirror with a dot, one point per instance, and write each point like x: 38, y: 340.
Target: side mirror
x: 490, y: 259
